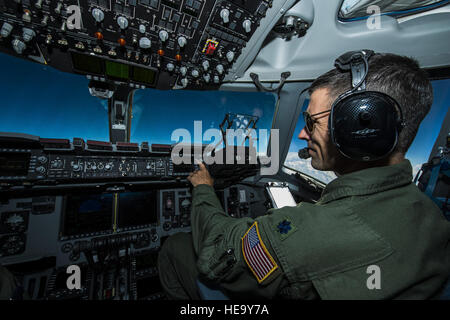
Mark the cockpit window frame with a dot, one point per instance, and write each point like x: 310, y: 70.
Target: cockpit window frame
x: 396, y: 14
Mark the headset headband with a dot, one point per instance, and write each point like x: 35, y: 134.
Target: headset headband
x: 358, y: 63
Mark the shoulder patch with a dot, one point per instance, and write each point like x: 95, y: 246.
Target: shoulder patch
x: 256, y: 254
x: 285, y: 228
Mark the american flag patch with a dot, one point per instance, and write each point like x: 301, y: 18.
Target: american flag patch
x: 256, y: 255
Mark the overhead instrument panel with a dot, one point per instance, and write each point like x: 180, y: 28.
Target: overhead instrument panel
x: 140, y: 43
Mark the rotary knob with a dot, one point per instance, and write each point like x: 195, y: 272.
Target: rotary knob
x: 219, y: 69
x: 38, y: 4
x: 98, y: 15
x: 56, y: 164
x: 40, y: 169
x: 247, y: 24
x: 58, y: 8
x: 108, y: 166
x: 44, y: 21
x: 206, y: 77
x: 230, y: 56
x: 155, y: 237
x: 170, y: 67
x: 67, y: 247
x: 42, y: 159
x: 205, y: 65
x: 18, y: 46
x: 142, y: 28
x: 28, y: 34
x: 182, y: 42
x: 195, y: 73
x: 76, y: 167
x: 167, y: 225
x: 122, y: 22
x: 225, y: 15
x: 163, y: 35
x: 184, y: 82
x: 216, y: 79
x: 183, y: 71
x: 145, y: 43
x: 6, y: 30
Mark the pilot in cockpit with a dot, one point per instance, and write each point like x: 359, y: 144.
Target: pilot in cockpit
x: 371, y: 235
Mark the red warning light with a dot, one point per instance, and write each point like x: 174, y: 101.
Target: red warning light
x: 211, y: 48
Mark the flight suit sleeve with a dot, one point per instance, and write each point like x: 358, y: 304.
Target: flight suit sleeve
x: 218, y: 242
x: 7, y: 284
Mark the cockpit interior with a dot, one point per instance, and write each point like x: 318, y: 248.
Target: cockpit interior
x: 98, y: 98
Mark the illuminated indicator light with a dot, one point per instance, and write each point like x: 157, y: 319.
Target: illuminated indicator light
x: 211, y: 49
x: 99, y: 35
x: 161, y: 52
x: 210, y: 46
x: 178, y: 57
x: 121, y: 41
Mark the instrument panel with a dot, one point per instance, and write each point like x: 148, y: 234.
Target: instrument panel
x: 113, y: 237
x: 59, y: 164
x: 104, y: 207
x: 29, y: 162
x: 140, y: 43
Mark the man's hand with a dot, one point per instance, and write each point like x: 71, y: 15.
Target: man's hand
x: 201, y: 176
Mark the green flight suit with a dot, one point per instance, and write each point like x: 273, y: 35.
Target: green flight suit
x: 7, y: 284
x: 372, y: 235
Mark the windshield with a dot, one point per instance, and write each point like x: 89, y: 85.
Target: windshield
x: 361, y: 9
x: 42, y: 101
x: 157, y: 114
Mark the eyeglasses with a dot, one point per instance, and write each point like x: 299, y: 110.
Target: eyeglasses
x: 310, y: 122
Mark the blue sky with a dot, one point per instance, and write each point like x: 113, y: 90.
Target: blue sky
x: 42, y: 101
x: 157, y: 113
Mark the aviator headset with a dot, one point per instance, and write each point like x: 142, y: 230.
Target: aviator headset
x: 364, y: 125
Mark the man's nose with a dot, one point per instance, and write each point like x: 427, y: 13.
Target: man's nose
x: 304, y: 135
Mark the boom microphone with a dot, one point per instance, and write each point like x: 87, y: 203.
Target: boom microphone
x: 303, y: 153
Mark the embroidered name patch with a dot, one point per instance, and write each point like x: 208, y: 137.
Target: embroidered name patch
x: 256, y: 254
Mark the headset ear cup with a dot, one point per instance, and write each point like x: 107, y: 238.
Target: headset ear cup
x: 364, y: 125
